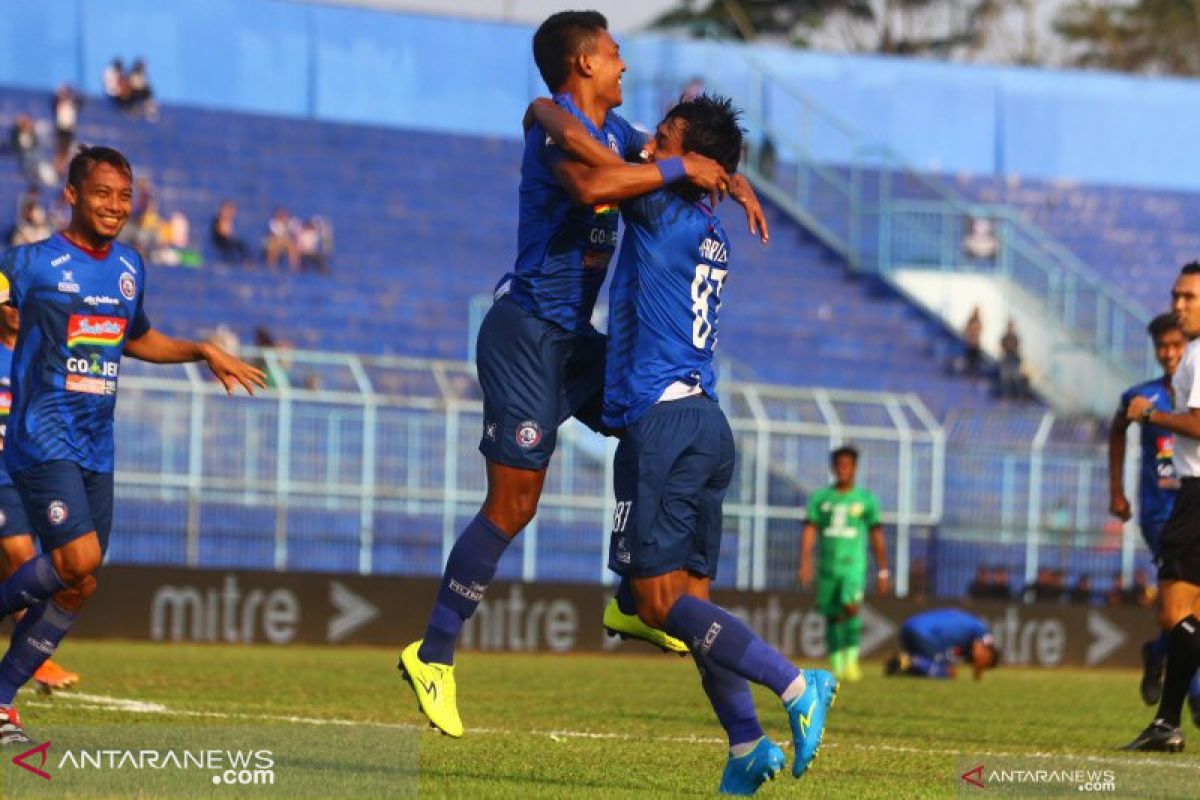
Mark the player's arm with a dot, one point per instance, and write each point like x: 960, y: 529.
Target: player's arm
x: 883, y: 576
x: 741, y: 191
x: 1118, y: 503
x: 158, y: 348
x: 569, y: 133
x: 1185, y: 424
x: 613, y: 183
x: 807, y: 539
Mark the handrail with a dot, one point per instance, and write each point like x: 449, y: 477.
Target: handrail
x: 872, y: 231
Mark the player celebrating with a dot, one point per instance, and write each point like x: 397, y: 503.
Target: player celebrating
x: 16, y: 539
x: 675, y: 460
x: 80, y: 296
x: 933, y: 642
x: 539, y: 359
x: 1157, y: 483
x: 1179, y: 544
x: 843, y: 514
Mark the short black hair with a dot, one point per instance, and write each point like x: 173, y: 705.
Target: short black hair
x: 844, y: 450
x: 1161, y: 325
x: 88, y: 157
x: 1190, y: 268
x: 561, y: 38
x: 713, y: 128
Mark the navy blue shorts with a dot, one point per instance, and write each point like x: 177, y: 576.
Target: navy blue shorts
x: 671, y: 472
x: 13, y: 520
x: 534, y: 376
x: 65, y: 501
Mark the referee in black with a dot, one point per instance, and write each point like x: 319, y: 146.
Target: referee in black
x: 1179, y: 555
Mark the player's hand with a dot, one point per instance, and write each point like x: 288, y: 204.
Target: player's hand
x: 883, y: 584
x: 806, y: 574
x: 530, y: 115
x: 1119, y: 507
x: 741, y: 191
x: 707, y: 174
x: 231, y: 371
x: 1136, y: 406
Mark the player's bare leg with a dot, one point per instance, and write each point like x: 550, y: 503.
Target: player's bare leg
x: 16, y: 550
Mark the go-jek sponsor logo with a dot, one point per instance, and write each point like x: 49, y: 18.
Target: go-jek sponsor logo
x: 85, y: 329
x: 95, y: 365
x: 225, y: 767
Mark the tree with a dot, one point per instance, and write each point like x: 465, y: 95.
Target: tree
x: 1155, y: 36
x: 904, y: 27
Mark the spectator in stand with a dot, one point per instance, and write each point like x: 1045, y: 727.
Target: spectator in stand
x: 24, y: 141
x: 141, y: 95
x: 280, y: 240
x: 1081, y: 592
x: 116, y: 83
x: 981, y: 587
x: 65, y: 107
x: 312, y: 244
x: 1012, y: 382
x: 972, y: 360
x: 229, y: 248
x: 1142, y: 593
x: 1115, y: 596
x: 173, y: 247
x: 32, y: 226
x: 1001, y: 586
x: 142, y: 230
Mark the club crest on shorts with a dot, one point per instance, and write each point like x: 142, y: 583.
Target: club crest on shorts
x: 56, y: 512
x: 529, y: 433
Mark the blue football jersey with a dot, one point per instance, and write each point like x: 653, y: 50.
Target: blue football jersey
x: 563, y: 248
x: 663, y: 303
x: 947, y: 632
x: 77, y: 311
x: 1157, y: 480
x: 6, y: 357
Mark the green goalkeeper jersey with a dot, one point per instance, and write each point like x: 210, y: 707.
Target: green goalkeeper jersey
x: 843, y: 520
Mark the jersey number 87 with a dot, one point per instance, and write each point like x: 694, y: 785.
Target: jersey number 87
x: 708, y: 282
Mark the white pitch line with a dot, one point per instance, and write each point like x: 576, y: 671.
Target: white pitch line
x: 106, y: 703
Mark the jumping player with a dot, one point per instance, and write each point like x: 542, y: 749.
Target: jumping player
x: 843, y: 516
x: 80, y: 296
x: 676, y: 457
x: 539, y: 359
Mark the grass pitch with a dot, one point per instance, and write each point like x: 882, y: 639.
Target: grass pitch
x: 567, y: 726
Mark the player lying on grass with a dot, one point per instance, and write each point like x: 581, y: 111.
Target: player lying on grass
x: 933, y: 644
x: 80, y: 296
x: 676, y: 456
x: 539, y: 359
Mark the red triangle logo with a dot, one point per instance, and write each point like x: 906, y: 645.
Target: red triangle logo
x: 41, y: 750
x: 974, y: 776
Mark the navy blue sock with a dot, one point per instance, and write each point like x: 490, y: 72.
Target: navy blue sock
x: 469, y: 569
x: 726, y: 640
x: 625, y: 599
x: 1158, y: 648
x: 1194, y: 688
x: 731, y: 699
x: 34, y: 581
x: 34, y: 640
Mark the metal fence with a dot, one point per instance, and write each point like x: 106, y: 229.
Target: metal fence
x: 370, y: 464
